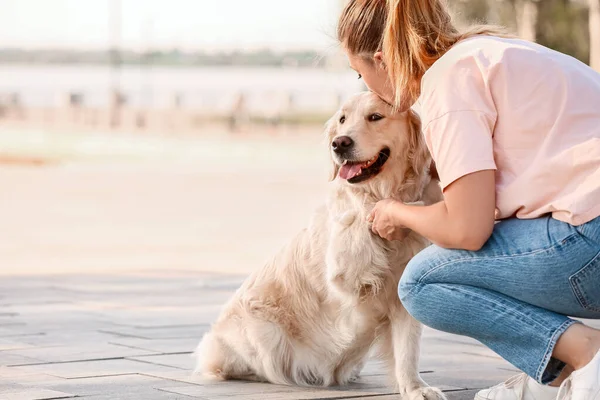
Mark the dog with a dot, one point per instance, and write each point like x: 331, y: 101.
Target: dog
x: 314, y: 312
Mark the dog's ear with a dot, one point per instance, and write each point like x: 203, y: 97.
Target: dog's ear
x: 330, y: 133
x: 418, y: 156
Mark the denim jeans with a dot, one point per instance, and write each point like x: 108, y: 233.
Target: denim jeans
x: 515, y: 294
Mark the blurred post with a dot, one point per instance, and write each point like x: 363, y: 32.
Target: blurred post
x: 594, y: 6
x: 115, y: 63
x: 527, y: 16
x: 238, y: 112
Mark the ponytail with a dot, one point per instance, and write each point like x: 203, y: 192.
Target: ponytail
x: 412, y: 35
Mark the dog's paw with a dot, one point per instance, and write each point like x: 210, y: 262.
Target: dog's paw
x: 355, y: 376
x: 426, y: 393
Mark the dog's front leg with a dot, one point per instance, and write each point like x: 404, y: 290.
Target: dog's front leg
x: 354, y: 260
x: 406, y: 339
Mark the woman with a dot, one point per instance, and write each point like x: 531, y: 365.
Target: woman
x: 514, y: 130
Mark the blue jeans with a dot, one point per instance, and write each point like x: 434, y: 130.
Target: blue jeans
x: 515, y: 294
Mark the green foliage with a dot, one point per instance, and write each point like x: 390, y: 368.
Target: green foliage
x: 562, y: 24
x: 174, y: 57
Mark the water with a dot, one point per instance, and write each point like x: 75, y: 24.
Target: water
x: 210, y: 88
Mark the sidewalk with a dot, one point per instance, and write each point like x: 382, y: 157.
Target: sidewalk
x: 130, y: 336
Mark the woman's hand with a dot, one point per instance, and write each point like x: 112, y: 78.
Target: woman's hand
x: 384, y: 218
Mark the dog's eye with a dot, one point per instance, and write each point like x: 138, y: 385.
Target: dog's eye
x: 375, y: 117
x: 342, y: 119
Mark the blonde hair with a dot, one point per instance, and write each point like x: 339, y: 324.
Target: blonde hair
x: 411, y: 34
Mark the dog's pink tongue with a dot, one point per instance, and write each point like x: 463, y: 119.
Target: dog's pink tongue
x: 349, y: 171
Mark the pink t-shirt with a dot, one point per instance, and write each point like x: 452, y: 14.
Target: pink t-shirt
x: 528, y: 112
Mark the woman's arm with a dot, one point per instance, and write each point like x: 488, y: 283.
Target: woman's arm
x: 464, y: 220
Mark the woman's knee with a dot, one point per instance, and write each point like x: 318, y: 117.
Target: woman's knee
x: 416, y: 270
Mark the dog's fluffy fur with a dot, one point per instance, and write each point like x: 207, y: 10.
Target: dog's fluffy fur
x: 314, y: 312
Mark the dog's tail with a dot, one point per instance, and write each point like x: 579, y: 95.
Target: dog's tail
x: 210, y: 358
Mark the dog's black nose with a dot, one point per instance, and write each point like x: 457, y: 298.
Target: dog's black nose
x: 342, y: 144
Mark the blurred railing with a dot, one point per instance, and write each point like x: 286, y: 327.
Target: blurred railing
x: 236, y: 110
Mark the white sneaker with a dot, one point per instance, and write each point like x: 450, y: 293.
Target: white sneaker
x: 519, y: 387
x: 583, y: 384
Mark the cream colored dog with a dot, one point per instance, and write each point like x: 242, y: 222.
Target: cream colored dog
x: 314, y: 312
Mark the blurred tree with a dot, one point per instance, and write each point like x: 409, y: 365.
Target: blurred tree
x: 558, y: 24
x: 594, y: 17
x: 563, y: 26
x: 527, y: 12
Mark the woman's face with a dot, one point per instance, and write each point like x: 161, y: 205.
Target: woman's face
x: 374, y: 75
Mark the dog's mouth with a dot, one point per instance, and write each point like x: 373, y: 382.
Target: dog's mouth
x: 360, y: 171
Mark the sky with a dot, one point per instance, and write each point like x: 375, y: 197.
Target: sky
x: 185, y: 24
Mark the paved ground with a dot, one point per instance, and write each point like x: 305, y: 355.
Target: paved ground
x: 130, y: 336
x: 110, y: 273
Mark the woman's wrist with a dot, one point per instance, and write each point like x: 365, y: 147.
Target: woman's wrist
x: 400, y: 214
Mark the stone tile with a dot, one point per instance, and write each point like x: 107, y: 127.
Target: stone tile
x: 6, y: 344
x: 8, y: 359
x: 181, y: 361
x: 158, y: 332
x: 257, y: 391
x: 462, y: 395
x: 456, y: 395
x: 382, y: 384
x: 80, y: 353
x: 367, y: 386
x: 71, y: 337
x: 86, y: 369
x: 131, y: 386
x: 148, y: 394
x: 468, y: 377
x: 133, y: 335
x: 178, y: 345
x: 156, y: 318
x: 11, y: 375
x: 36, y: 394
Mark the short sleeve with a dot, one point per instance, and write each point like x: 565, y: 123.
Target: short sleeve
x: 460, y: 142
x: 459, y: 116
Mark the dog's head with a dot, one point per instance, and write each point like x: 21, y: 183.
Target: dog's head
x: 373, y: 146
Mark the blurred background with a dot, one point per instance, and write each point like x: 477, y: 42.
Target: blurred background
x: 185, y: 134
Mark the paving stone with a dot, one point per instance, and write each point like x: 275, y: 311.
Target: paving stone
x: 177, y: 345
x: 455, y: 395
x: 253, y: 391
x: 73, y: 337
x: 469, y: 377
x: 79, y: 353
x: 150, y: 394
x: 382, y: 384
x: 12, y: 375
x: 370, y: 385
x: 133, y: 335
x: 200, y: 315
x: 6, y: 344
x: 36, y: 394
x: 88, y: 369
x: 132, y: 386
x: 159, y: 332
x: 181, y: 361
x: 7, y: 359
x: 462, y: 395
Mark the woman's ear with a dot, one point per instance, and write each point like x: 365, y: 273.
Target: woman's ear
x: 378, y: 58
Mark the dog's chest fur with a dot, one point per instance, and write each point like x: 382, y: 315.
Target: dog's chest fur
x: 359, y: 264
